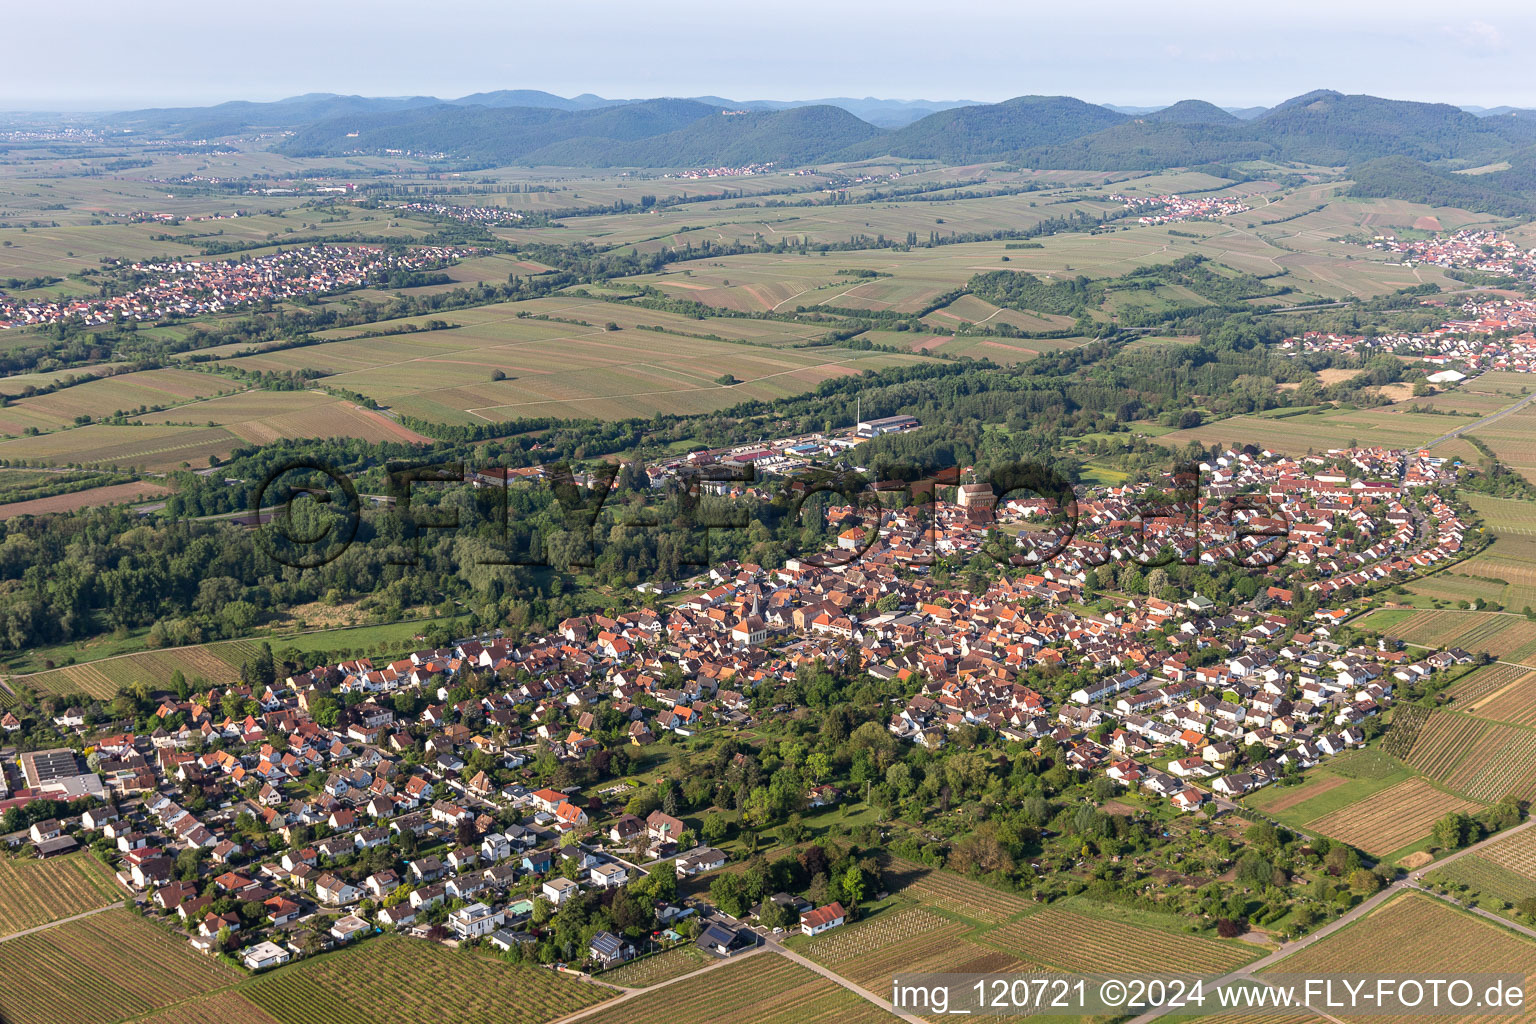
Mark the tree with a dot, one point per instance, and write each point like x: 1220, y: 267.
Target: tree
x: 729, y: 894
x: 1451, y: 831
x: 716, y: 827
x: 854, y: 885
x: 774, y: 915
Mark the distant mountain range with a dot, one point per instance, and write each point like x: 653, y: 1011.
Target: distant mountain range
x: 529, y: 127
x: 298, y: 111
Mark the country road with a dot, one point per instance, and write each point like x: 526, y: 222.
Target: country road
x: 1490, y: 418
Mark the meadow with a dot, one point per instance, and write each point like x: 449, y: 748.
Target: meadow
x: 1349, y: 779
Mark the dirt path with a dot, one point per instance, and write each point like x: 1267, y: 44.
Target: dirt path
x: 63, y: 920
x: 630, y: 993
x: 838, y: 979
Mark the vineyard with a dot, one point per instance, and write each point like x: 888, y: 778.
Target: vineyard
x: 39, y: 891
x: 1407, y: 720
x: 1484, y: 877
x: 763, y: 988
x: 1514, y: 702
x: 408, y: 982
x: 1485, y: 760
x: 1410, y: 935
x: 954, y: 893
x: 1391, y: 819
x: 1473, y: 687
x: 1516, y: 853
x: 102, y: 679
x: 890, y: 928
x: 134, y: 968
x: 217, y: 1008
x: 1443, y: 742
x: 1083, y: 944
x: 653, y: 970
x: 1507, y: 637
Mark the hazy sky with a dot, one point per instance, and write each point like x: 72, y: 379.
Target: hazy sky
x: 96, y: 54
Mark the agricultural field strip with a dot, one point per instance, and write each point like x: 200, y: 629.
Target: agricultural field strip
x: 1403, y: 935
x: 136, y: 968
x: 38, y: 892
x: 758, y: 990
x: 1392, y: 818
x: 411, y: 982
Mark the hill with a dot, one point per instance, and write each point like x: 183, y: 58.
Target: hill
x: 1510, y: 193
x: 993, y: 131
x: 238, y: 116
x: 491, y: 135
x: 1146, y: 145
x: 797, y: 135
x: 1326, y: 127
x: 533, y: 98
x: 1193, y: 112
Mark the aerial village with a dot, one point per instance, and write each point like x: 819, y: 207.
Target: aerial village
x: 1482, y: 251
x: 1171, y: 209
x: 324, y: 820
x: 1491, y: 334
x: 192, y: 287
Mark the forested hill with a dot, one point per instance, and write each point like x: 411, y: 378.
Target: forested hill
x: 1507, y: 193
x: 494, y: 135
x: 993, y: 131
x: 1193, y: 112
x: 1392, y: 148
x: 799, y: 135
x: 1331, y: 128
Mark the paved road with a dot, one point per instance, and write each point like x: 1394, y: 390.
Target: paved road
x: 1490, y: 418
x: 65, y: 920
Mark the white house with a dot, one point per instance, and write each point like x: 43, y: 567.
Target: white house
x: 475, y: 920
x: 814, y: 922
x: 263, y: 955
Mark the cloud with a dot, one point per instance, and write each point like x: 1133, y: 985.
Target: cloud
x: 1478, y: 36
